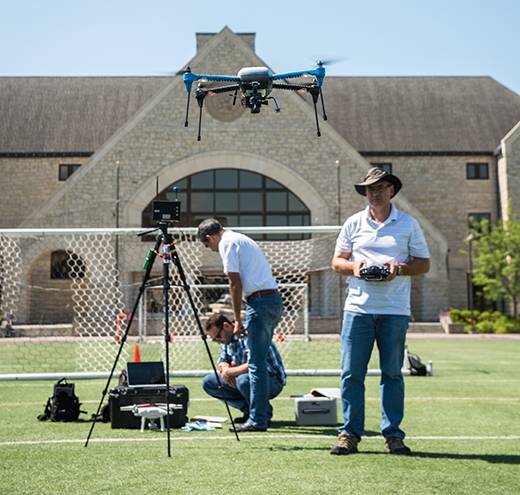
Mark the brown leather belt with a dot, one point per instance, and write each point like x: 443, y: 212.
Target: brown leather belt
x: 260, y: 293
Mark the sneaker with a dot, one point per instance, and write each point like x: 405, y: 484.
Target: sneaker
x: 395, y: 445
x: 347, y: 444
x: 248, y: 426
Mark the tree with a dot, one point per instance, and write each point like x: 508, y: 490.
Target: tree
x: 497, y: 260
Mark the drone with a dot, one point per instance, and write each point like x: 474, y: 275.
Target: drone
x: 151, y: 412
x: 255, y: 85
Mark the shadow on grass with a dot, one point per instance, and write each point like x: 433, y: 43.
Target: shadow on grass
x: 292, y: 427
x: 491, y: 458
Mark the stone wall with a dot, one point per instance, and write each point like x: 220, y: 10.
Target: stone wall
x: 26, y: 184
x: 437, y: 186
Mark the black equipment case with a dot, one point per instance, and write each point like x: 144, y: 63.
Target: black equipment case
x: 128, y: 396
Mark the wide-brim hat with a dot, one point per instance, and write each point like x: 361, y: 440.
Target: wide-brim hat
x: 376, y: 175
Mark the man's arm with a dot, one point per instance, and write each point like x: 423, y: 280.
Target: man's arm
x: 229, y: 373
x: 416, y: 266
x: 341, y: 263
x: 235, y: 289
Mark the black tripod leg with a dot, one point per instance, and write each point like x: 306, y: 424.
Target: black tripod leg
x: 187, y: 109
x: 148, y: 265
x: 166, y: 290
x: 203, y: 336
x: 323, y: 105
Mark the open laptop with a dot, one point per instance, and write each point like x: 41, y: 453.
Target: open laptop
x: 146, y: 374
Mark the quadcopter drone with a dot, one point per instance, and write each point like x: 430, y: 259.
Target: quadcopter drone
x: 255, y: 85
x: 151, y: 412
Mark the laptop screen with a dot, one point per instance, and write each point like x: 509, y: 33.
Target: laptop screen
x: 145, y: 373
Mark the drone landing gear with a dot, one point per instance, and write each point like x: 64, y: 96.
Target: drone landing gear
x: 323, y: 105
x: 200, y: 94
x: 276, y: 106
x: 316, y: 94
x: 187, y: 110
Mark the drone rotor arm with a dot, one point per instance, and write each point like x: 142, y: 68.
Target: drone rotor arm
x: 223, y: 89
x: 190, y: 77
x: 290, y: 75
x: 290, y: 87
x: 318, y: 73
x: 221, y: 78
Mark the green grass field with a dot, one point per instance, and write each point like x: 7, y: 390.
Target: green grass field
x: 462, y: 424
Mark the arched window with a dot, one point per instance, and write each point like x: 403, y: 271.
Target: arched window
x: 238, y: 198
x: 66, y: 266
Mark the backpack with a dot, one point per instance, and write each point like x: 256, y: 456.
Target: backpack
x: 64, y: 404
x: 417, y: 367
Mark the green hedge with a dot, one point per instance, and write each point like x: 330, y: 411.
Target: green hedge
x: 485, y: 321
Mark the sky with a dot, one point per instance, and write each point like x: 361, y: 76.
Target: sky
x: 373, y: 38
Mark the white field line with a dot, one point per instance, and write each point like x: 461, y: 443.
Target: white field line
x: 265, y: 436
x: 7, y: 405
x: 452, y: 380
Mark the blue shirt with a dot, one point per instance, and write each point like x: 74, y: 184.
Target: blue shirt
x: 395, y: 241
x: 235, y: 353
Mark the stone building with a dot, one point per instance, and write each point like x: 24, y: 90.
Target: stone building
x: 87, y: 151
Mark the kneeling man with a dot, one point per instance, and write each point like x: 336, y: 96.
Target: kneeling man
x: 233, y: 368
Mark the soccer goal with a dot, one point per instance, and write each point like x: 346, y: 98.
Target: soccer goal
x: 65, y: 298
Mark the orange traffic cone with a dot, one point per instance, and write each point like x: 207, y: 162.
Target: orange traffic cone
x: 137, y: 354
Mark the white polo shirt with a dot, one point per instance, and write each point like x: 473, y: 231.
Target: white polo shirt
x: 395, y: 241
x: 240, y: 254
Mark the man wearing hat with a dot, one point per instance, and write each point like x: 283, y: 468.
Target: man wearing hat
x: 250, y: 277
x: 377, y: 308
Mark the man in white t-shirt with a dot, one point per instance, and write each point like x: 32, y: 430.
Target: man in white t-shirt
x: 376, y: 310
x: 251, y: 278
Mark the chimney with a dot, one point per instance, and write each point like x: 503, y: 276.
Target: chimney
x: 204, y: 38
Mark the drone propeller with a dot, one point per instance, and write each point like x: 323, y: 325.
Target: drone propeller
x: 172, y: 73
x: 325, y: 62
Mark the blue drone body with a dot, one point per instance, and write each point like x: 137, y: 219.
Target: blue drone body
x: 255, y: 85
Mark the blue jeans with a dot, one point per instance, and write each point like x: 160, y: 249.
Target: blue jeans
x: 357, y: 341
x: 239, y: 397
x: 262, y: 315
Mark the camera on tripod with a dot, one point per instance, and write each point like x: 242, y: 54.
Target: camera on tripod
x: 167, y: 211
x: 374, y: 273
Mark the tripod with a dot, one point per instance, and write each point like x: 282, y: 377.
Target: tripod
x: 169, y: 253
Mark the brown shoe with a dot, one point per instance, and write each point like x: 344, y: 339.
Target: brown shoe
x: 394, y: 445
x: 347, y: 444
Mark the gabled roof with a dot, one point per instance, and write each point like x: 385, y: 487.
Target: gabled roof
x: 374, y: 114
x: 68, y: 114
x: 421, y: 114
